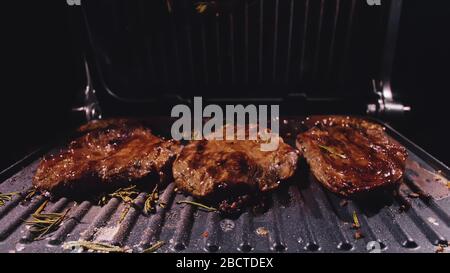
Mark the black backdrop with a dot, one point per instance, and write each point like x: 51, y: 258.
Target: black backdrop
x: 42, y: 74
x: 422, y: 71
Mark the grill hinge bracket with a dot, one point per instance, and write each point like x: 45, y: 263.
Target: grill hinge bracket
x: 91, y: 107
x: 385, y: 104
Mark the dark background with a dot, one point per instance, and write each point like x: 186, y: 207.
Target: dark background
x: 42, y: 75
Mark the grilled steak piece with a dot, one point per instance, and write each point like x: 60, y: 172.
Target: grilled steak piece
x: 351, y: 155
x: 231, y: 173
x: 111, y: 154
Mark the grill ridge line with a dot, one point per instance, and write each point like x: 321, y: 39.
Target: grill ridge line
x: 153, y: 230
x: 70, y: 223
x: 126, y: 225
x: 311, y: 243
x: 101, y: 219
x: 180, y: 239
x: 11, y: 226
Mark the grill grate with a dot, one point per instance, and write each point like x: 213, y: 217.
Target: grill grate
x: 303, y: 216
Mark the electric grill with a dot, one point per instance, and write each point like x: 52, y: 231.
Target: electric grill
x: 310, y: 57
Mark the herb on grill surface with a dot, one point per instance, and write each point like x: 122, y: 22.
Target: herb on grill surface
x: 154, y: 247
x: 41, y: 207
x: 127, y: 195
x: 5, y: 197
x: 124, y: 213
x: 42, y: 224
x: 333, y: 151
x: 30, y: 194
x: 100, y: 247
x: 200, y: 206
x: 355, y: 224
x: 151, y: 200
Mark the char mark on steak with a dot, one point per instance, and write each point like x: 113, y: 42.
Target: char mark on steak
x: 231, y: 174
x: 111, y: 154
x: 351, y: 155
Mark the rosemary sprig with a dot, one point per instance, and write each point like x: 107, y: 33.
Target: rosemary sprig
x: 42, y: 224
x: 151, y: 200
x: 201, y: 206
x: 101, y: 247
x: 32, y: 192
x: 6, y: 197
x: 154, y: 247
x: 333, y: 151
x: 127, y: 195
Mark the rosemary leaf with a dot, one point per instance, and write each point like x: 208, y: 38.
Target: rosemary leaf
x: 151, y: 200
x: 356, y: 223
x: 333, y: 151
x: 101, y: 247
x: 154, y: 247
x: 201, y: 206
x: 5, y: 197
x: 41, y: 208
x: 32, y: 192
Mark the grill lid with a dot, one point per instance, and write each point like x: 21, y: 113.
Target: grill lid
x: 249, y: 48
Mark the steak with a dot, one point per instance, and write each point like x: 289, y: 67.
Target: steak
x: 111, y: 154
x: 231, y: 173
x: 351, y: 155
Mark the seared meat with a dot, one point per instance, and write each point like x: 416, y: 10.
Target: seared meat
x: 109, y: 124
x: 351, y: 155
x: 232, y: 172
x: 106, y: 157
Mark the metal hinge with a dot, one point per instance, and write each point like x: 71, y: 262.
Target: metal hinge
x: 385, y: 104
x: 90, y: 107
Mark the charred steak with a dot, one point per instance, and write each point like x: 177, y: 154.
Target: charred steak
x: 110, y: 154
x: 351, y: 155
x: 230, y: 173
